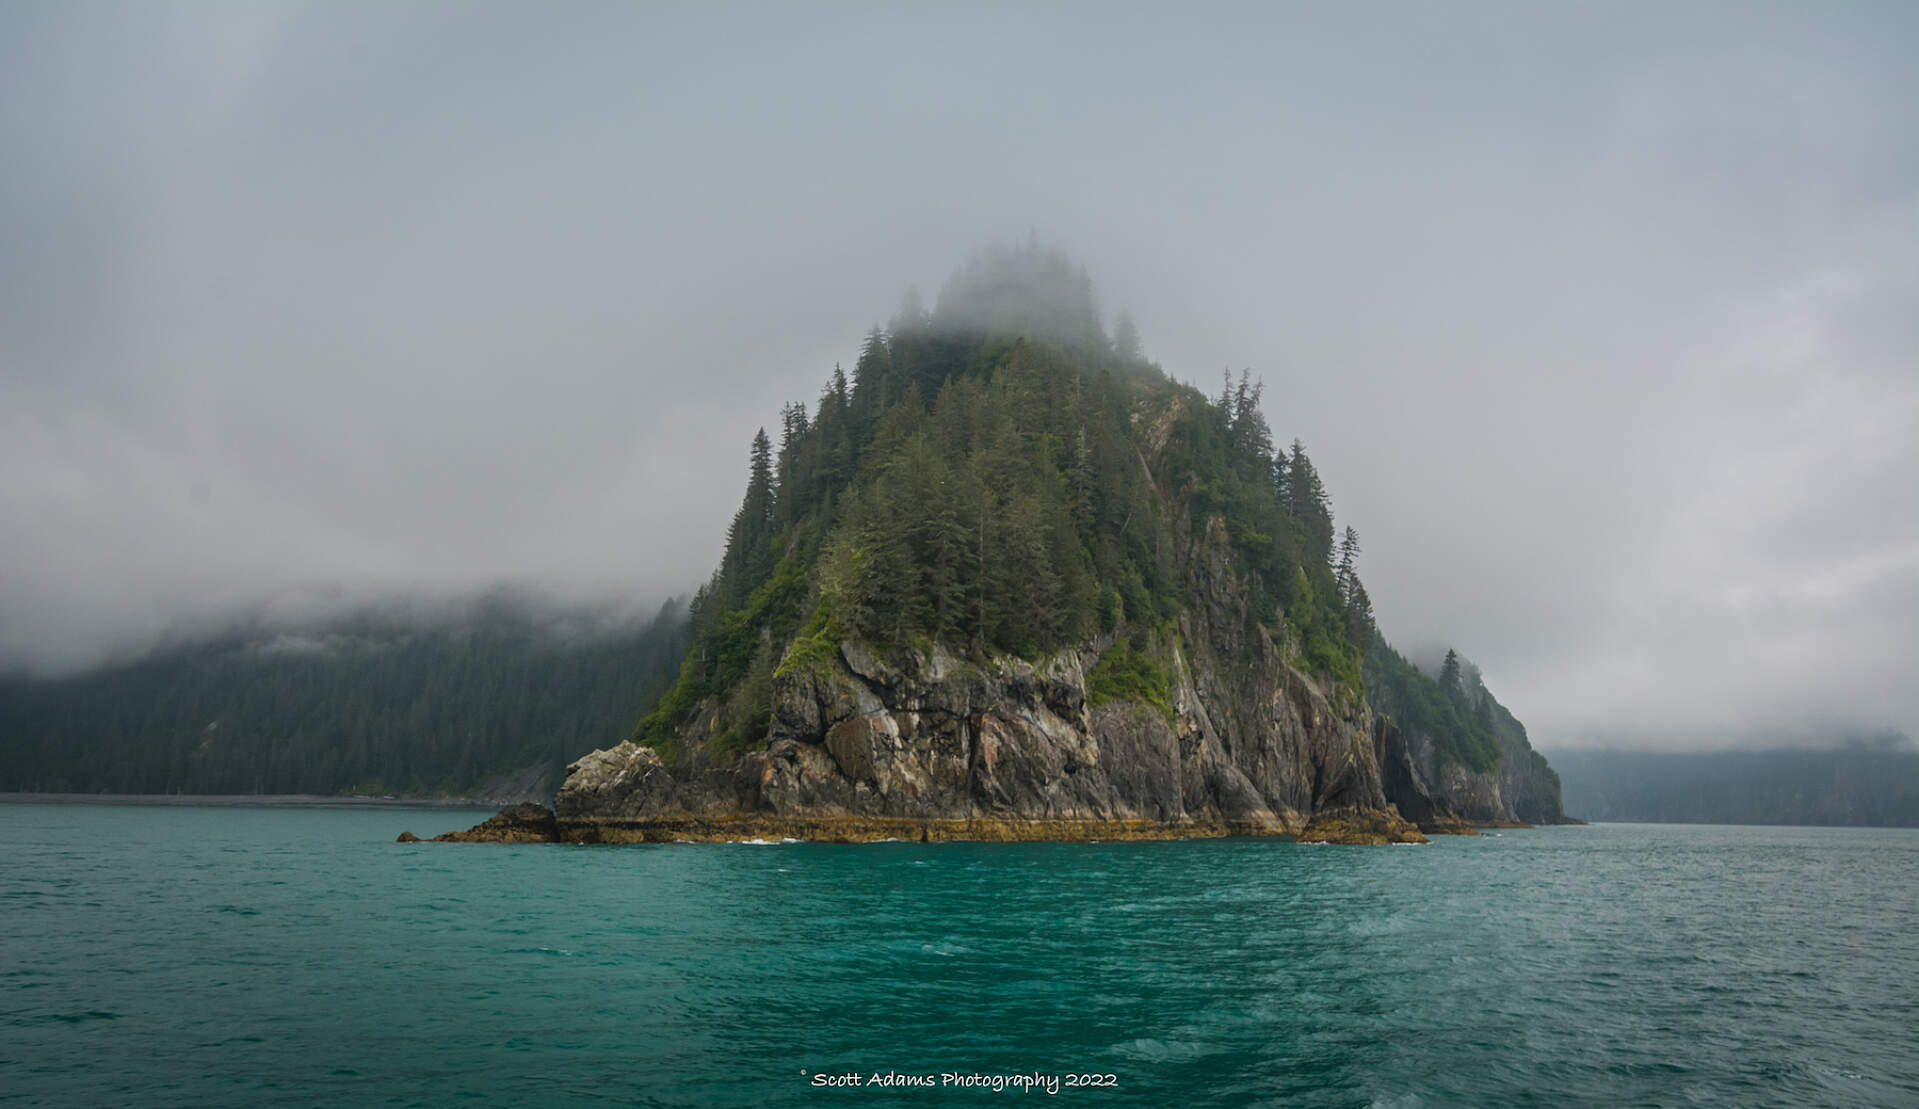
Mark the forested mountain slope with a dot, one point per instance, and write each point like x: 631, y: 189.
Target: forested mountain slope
x: 1863, y: 783
x: 489, y: 699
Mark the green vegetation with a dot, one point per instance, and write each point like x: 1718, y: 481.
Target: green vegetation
x: 371, y: 704
x: 1460, y: 724
x: 979, y: 482
x: 1279, y: 520
x: 1124, y: 674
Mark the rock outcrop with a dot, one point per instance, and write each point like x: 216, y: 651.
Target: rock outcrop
x: 1441, y: 796
x: 523, y: 823
x: 923, y: 745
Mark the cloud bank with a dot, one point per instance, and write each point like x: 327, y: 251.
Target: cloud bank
x: 1597, y: 319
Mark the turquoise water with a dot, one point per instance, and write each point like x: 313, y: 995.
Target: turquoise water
x: 264, y: 957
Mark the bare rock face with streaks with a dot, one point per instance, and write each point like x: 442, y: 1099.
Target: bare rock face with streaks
x: 867, y: 744
x: 1442, y: 796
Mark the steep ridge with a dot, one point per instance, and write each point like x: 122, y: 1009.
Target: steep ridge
x: 1452, y: 758
x: 918, y: 743
x: 1068, y: 598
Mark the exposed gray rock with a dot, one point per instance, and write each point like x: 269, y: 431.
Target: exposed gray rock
x: 1440, y: 795
x: 919, y: 734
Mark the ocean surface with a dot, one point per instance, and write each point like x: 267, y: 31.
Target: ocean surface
x: 159, y: 956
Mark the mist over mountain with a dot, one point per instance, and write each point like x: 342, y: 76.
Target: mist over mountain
x: 1860, y: 782
x: 487, y: 696
x: 1597, y: 317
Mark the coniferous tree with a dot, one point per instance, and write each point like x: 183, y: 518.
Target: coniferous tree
x: 1082, y: 482
x: 1252, y: 439
x: 837, y: 391
x: 759, y: 484
x: 794, y: 427
x: 1360, y: 628
x: 834, y: 431
x: 1449, y: 676
x: 1309, y: 503
x: 748, y: 540
x: 874, y: 386
x: 1348, y: 558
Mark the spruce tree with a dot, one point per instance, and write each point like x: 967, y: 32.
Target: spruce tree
x: 1348, y: 557
x: 1309, y: 503
x: 1360, y: 628
x: 759, y: 483
x: 874, y: 386
x: 748, y: 541
x: 1252, y: 439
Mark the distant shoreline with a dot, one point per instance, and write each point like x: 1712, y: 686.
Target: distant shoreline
x: 245, y: 800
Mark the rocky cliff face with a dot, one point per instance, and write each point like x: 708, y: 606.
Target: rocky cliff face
x: 1530, y: 787
x: 921, y: 744
x: 1440, y: 795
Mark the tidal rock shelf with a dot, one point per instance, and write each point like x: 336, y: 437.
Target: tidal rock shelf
x: 538, y: 824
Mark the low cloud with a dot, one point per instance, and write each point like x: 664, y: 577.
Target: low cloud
x: 1596, y: 321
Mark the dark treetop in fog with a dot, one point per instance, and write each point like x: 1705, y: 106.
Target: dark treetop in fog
x: 1597, y: 317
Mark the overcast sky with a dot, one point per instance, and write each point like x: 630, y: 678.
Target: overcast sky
x: 1601, y: 321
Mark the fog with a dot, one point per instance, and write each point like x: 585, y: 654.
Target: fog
x: 1597, y: 319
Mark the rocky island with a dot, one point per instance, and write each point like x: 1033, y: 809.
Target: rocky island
x: 1012, y: 582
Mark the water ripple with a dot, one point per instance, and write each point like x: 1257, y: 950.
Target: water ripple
x: 289, y: 957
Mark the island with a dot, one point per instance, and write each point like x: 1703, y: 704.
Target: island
x: 1010, y: 581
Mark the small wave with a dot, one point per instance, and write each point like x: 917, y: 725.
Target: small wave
x: 1159, y: 1051
x: 946, y: 949
x: 65, y: 1018
x: 1377, y: 926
